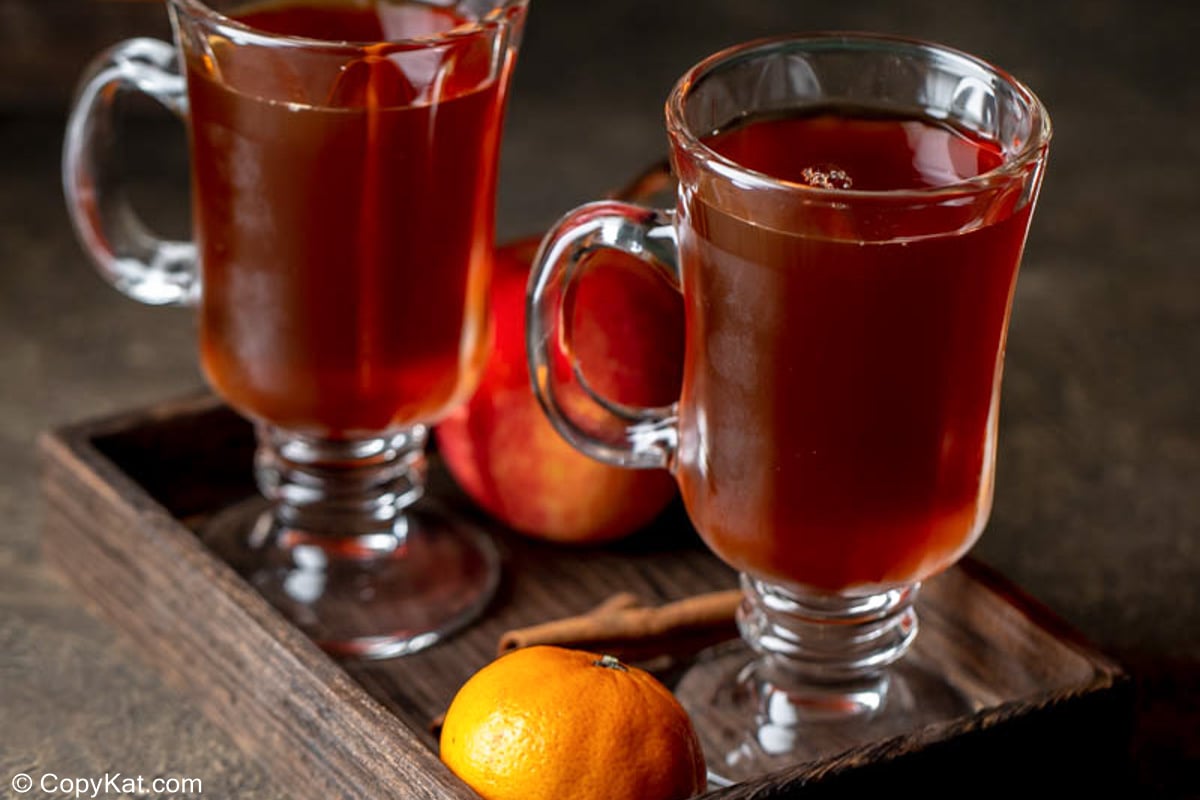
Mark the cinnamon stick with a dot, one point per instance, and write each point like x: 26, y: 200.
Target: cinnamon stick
x: 621, y: 627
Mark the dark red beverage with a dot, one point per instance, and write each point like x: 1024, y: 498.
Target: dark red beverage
x: 343, y: 204
x: 844, y: 349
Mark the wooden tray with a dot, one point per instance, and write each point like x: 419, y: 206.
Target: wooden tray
x: 124, y: 496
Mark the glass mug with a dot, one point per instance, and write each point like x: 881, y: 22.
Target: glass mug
x: 851, y: 214
x: 343, y: 200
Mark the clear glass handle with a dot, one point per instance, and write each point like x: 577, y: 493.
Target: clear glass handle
x: 138, y: 263
x: 618, y: 434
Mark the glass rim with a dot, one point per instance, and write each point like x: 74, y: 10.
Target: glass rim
x: 199, y: 10
x: 1013, y: 167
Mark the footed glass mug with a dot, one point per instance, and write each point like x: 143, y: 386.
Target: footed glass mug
x: 851, y: 215
x: 344, y: 159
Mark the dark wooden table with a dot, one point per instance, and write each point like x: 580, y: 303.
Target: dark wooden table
x: 1098, y: 491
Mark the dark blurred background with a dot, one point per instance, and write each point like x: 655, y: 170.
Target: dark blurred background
x: 1098, y: 491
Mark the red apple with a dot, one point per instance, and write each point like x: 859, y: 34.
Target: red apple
x: 628, y: 335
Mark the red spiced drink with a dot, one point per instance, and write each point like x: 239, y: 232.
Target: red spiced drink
x: 344, y: 218
x: 841, y: 400
x: 343, y: 158
x: 852, y: 212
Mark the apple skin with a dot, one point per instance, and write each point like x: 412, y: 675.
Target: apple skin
x: 628, y: 329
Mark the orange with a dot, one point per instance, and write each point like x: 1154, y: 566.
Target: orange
x: 547, y: 723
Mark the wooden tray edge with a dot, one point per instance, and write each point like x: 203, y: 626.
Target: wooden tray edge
x: 69, y: 457
x: 273, y: 712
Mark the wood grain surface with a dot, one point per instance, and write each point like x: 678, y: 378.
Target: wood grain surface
x: 126, y: 495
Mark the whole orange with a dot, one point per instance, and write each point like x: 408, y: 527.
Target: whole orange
x: 548, y: 723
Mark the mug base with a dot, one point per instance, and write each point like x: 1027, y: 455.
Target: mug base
x: 750, y: 726
x: 370, y: 596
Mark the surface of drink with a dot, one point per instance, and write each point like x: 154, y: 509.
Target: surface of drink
x: 839, y: 414
x: 343, y: 206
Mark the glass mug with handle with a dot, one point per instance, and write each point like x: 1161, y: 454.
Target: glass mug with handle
x: 343, y: 162
x: 851, y: 214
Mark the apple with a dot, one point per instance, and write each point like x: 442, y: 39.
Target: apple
x: 628, y: 331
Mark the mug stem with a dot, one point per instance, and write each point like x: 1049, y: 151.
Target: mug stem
x: 825, y: 654
x: 342, y: 492
x: 814, y: 675
x: 339, y: 544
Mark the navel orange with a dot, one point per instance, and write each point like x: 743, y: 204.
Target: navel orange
x: 547, y: 723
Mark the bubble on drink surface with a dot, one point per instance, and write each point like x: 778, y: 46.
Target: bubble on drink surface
x: 826, y: 176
